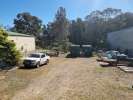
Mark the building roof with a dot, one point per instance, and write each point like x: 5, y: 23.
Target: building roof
x: 17, y: 34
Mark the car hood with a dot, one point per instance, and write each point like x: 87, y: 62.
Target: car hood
x: 29, y: 58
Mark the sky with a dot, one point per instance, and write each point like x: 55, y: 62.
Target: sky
x: 46, y: 9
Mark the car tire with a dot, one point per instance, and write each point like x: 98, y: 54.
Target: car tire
x: 47, y: 61
x: 38, y: 65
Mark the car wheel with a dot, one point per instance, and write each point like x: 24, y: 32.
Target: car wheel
x: 47, y: 61
x: 38, y: 65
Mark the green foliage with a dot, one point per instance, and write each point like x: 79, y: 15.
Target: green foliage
x: 8, y: 52
x: 59, y: 28
x: 28, y: 24
x: 64, y: 46
x: 61, y: 25
x: 77, y: 30
x: 60, y: 46
x: 92, y: 30
x: 55, y: 35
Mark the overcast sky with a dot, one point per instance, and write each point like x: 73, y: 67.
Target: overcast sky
x: 46, y: 9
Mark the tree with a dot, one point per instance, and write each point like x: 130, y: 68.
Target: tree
x: 125, y: 20
x: 77, y: 31
x: 28, y: 24
x: 46, y: 38
x: 98, y: 24
x: 60, y: 26
x: 58, y: 30
x: 110, y: 13
x: 8, y: 52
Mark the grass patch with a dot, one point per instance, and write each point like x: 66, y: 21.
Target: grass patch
x: 99, y: 69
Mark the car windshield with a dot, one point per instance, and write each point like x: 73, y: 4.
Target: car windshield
x: 35, y: 56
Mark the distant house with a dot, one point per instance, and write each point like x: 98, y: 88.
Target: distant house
x: 122, y: 40
x: 24, y: 43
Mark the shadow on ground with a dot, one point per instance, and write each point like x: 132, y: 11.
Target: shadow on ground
x: 27, y: 68
x: 71, y: 56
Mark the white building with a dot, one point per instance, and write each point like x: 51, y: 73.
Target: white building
x: 24, y: 43
x: 122, y: 39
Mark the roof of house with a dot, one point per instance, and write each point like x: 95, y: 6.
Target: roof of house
x: 18, y: 34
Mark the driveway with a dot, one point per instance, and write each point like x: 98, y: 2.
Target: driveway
x: 75, y: 79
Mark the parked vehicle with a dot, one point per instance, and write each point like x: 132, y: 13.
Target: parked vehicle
x: 36, y: 60
x: 81, y: 50
x: 86, y: 50
x: 53, y: 53
x: 113, y: 58
x: 115, y: 55
x: 75, y: 50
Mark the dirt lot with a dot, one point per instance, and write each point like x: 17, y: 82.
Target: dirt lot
x: 67, y: 79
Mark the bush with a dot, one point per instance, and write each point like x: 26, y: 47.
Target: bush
x: 8, y: 52
x: 61, y: 46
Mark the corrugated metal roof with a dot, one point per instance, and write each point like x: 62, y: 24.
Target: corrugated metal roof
x: 17, y: 34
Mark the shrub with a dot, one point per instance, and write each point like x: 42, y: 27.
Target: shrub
x: 61, y: 46
x: 8, y: 52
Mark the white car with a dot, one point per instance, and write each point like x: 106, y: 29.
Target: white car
x: 36, y: 60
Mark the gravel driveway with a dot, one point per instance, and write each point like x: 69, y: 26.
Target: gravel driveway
x: 77, y: 79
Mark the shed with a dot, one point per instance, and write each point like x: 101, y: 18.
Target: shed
x: 24, y: 43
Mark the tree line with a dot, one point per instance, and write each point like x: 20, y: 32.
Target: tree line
x: 61, y: 31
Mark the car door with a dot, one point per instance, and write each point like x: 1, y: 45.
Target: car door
x: 43, y: 59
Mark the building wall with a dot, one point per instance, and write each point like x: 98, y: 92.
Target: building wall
x: 24, y: 44
x: 122, y: 39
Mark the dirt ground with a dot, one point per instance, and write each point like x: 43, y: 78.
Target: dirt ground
x: 67, y: 79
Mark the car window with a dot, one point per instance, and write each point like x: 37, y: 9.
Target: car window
x: 35, y: 55
x: 42, y: 56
